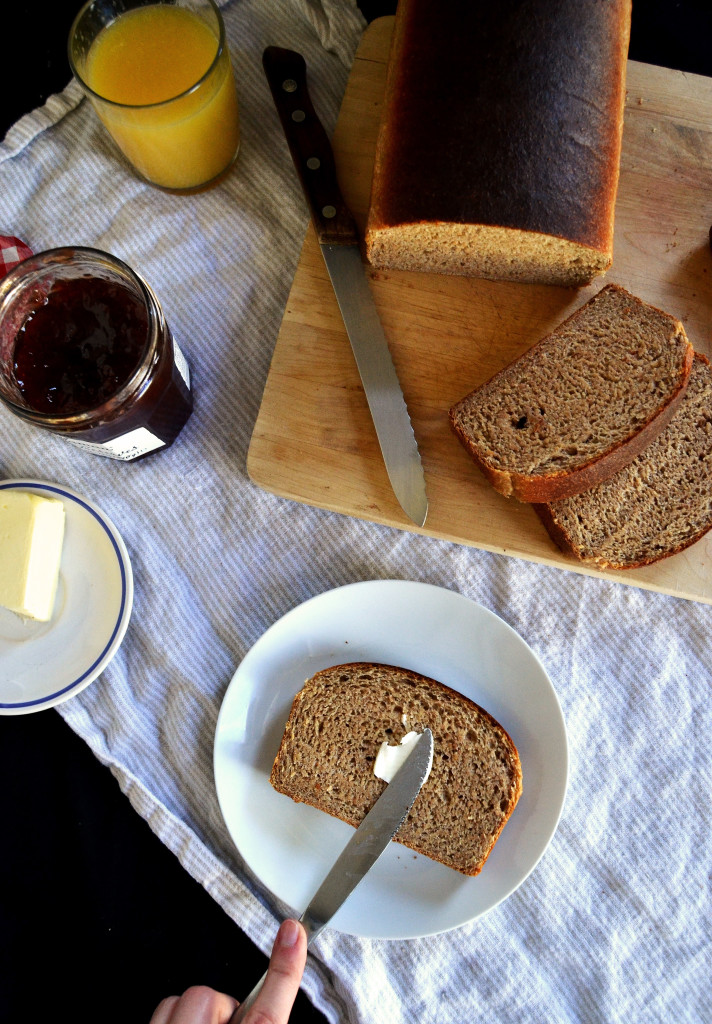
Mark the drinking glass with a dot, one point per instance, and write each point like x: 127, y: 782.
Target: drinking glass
x: 160, y: 78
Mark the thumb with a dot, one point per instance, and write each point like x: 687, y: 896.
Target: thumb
x: 286, y: 966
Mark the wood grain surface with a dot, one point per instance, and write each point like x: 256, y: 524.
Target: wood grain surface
x: 313, y: 440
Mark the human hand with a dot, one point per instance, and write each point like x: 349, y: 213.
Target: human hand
x: 198, y: 1005
x: 203, y: 1005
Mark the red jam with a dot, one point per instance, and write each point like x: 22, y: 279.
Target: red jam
x: 85, y: 352
x: 75, y: 362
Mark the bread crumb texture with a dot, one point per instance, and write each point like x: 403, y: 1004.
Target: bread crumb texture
x: 335, y: 729
x: 486, y: 251
x: 655, y: 507
x: 567, y: 413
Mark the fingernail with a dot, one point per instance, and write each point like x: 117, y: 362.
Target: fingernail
x: 288, y: 934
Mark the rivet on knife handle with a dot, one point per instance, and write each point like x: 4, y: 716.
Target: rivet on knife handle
x: 309, y: 145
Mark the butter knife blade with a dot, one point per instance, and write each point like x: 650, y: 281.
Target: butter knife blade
x: 363, y: 849
x: 338, y: 238
x: 371, y: 837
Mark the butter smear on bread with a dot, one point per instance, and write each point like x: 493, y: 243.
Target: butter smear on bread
x: 390, y: 757
x: 31, y: 539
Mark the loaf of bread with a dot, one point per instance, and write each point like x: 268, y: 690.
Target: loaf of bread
x: 335, y: 729
x: 499, y: 148
x: 582, y: 403
x: 658, y: 505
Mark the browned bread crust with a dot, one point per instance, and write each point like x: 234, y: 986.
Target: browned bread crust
x: 499, y: 148
x: 659, y: 505
x: 335, y: 729
x: 581, y: 404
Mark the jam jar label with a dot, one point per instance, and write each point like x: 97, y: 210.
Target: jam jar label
x: 181, y: 364
x: 127, y: 447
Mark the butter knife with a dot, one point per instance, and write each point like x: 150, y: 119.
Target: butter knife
x: 363, y: 848
x: 338, y: 238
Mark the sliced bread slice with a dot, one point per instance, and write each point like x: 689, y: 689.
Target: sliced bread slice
x: 658, y: 505
x: 335, y: 729
x: 582, y: 403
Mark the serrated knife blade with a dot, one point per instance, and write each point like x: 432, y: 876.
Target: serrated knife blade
x: 338, y: 238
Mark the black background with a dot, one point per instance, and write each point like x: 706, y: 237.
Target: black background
x: 98, y: 921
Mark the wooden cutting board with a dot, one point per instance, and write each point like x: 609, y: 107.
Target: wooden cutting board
x: 314, y: 441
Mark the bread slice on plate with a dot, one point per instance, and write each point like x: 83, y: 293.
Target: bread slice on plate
x: 336, y: 726
x: 658, y: 505
x: 582, y: 403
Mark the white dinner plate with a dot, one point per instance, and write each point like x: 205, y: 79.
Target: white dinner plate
x: 441, y: 634
x: 45, y: 663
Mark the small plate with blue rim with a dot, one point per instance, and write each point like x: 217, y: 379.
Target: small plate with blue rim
x: 45, y: 663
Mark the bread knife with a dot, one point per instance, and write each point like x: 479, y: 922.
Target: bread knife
x: 363, y: 848
x: 336, y: 231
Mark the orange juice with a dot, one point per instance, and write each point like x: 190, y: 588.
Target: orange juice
x: 166, y: 94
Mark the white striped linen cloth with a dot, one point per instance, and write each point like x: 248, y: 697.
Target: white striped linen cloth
x: 614, y: 924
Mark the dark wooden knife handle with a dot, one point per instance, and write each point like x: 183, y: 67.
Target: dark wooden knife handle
x: 309, y: 145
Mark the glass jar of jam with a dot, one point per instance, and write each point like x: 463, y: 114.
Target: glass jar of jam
x: 85, y: 352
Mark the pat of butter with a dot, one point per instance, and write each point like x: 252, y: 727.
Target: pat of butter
x: 31, y: 537
x: 390, y: 758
